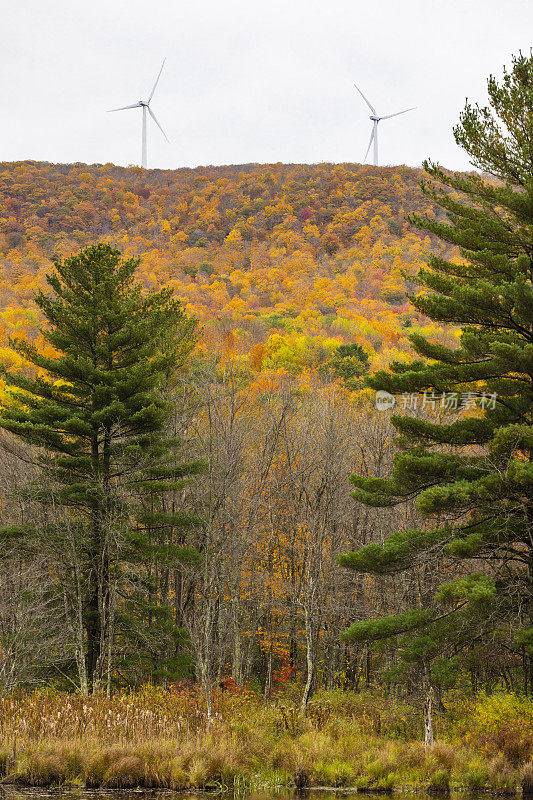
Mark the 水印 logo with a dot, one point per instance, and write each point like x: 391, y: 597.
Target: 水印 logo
x: 384, y: 400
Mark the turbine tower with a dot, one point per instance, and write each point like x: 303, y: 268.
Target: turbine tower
x: 145, y: 105
x: 376, y: 119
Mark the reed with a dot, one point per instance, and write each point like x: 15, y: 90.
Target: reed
x: 158, y: 738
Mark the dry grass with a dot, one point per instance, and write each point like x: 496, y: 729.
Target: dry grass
x: 159, y: 739
x: 149, y: 714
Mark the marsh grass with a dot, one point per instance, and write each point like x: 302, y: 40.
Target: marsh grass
x: 160, y: 739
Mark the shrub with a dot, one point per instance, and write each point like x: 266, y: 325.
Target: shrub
x: 440, y: 781
x: 334, y: 773
x: 382, y: 773
x: 502, y: 778
x: 503, y: 723
x: 475, y: 775
x: 444, y: 754
x: 414, y: 755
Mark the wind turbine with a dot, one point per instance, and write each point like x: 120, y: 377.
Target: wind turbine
x: 375, y: 122
x: 145, y: 105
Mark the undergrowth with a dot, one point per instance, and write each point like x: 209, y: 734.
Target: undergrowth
x: 160, y: 739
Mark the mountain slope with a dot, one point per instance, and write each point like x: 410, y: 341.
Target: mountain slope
x: 312, y: 255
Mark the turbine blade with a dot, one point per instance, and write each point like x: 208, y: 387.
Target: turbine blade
x: 370, y: 143
x: 157, y: 80
x: 157, y: 123
x: 399, y: 112
x: 369, y: 104
x: 123, y: 108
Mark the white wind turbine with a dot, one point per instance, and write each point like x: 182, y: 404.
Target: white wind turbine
x: 145, y: 105
x: 375, y: 121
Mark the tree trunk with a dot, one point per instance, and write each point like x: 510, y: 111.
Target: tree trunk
x: 368, y: 665
x: 80, y: 650
x: 268, y: 679
x: 110, y: 640
x: 93, y: 605
x: 93, y: 631
x: 309, y: 641
x: 428, y: 720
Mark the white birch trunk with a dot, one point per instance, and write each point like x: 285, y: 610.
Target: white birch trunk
x: 428, y: 720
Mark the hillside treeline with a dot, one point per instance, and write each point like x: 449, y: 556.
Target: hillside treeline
x: 280, y: 263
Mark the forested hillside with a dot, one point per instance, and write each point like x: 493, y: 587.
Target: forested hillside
x: 296, y: 258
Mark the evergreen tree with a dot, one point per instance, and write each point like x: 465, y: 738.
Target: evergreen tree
x: 472, y: 472
x: 95, y: 407
x: 349, y: 362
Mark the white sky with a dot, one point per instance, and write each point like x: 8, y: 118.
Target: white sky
x: 248, y: 80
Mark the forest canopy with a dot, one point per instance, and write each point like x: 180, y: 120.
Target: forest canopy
x: 321, y: 255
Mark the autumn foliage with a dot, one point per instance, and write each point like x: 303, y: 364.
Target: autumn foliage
x: 281, y: 263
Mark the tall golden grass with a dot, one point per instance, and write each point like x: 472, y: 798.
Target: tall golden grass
x: 156, y: 738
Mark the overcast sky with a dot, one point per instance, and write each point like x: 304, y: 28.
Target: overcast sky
x: 248, y: 80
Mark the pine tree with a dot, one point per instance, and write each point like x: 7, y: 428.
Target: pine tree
x: 349, y: 362
x: 471, y: 473
x: 95, y: 409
